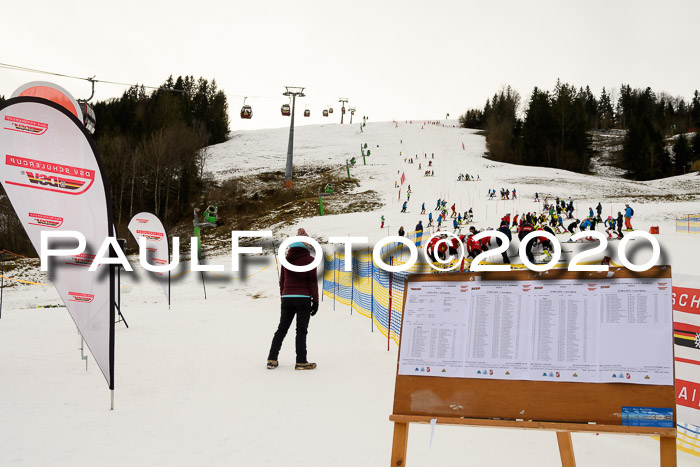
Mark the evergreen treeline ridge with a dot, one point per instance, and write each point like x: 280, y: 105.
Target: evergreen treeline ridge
x: 555, y: 130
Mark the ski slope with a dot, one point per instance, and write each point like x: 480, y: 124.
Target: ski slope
x: 191, y: 383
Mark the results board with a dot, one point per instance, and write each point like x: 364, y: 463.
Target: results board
x: 568, y: 330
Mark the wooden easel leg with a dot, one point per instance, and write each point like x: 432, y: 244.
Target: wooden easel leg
x: 668, y: 451
x: 398, y: 448
x: 566, y: 449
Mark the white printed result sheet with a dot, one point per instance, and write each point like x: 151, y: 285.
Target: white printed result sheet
x: 499, y: 331
x: 434, y: 330
x: 564, y: 332
x: 616, y: 330
x: 636, y: 321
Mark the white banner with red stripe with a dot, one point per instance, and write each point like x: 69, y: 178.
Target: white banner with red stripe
x: 148, y: 226
x: 51, y: 173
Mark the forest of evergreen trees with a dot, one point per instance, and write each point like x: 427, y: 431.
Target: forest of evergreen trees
x: 152, y: 147
x: 555, y: 130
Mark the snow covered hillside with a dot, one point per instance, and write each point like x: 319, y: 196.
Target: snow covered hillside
x: 191, y: 383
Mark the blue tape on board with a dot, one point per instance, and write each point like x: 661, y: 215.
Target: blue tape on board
x: 647, y: 416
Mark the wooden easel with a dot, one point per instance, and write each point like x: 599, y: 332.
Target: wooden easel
x: 563, y: 407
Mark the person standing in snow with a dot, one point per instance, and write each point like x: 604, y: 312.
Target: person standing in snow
x: 618, y: 224
x: 628, y: 217
x: 382, y: 226
x: 430, y: 219
x: 299, y: 291
x: 599, y: 210
x: 422, y: 208
x: 505, y: 231
x: 402, y: 232
x: 419, y: 232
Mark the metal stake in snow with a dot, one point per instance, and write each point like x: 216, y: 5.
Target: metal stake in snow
x: 293, y: 92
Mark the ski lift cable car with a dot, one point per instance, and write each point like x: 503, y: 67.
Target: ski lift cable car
x: 286, y: 109
x: 246, y: 110
x: 325, y: 112
x: 307, y: 112
x: 330, y: 110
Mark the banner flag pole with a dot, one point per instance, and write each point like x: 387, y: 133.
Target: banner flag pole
x: 52, y: 175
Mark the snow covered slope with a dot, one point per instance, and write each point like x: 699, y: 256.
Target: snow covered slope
x: 192, y: 388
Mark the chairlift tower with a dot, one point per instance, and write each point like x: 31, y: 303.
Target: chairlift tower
x: 293, y: 92
x: 342, y: 101
x: 352, y: 112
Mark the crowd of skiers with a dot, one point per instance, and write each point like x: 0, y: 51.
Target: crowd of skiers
x: 505, y: 194
x: 551, y: 219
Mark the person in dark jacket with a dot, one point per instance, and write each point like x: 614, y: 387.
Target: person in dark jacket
x: 506, y: 231
x: 402, y: 232
x: 299, y: 291
x: 525, y: 229
x: 419, y: 233
x: 618, y: 224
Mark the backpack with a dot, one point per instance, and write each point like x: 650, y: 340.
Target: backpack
x: 631, y: 211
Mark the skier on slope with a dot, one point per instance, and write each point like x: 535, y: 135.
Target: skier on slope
x: 430, y: 219
x: 599, y: 210
x: 629, y: 212
x: 573, y: 226
x: 422, y: 208
x: 405, y: 205
x: 609, y: 226
x: 505, y: 231
x: 454, y: 213
x: 524, y: 230
x: 299, y: 291
x: 618, y: 223
x: 382, y: 226
x: 585, y: 224
x: 419, y: 232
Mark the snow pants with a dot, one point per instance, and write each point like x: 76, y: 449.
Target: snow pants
x: 628, y: 223
x: 291, y: 306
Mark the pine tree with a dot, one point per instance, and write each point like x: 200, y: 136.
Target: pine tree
x: 695, y: 148
x: 682, y: 153
x: 695, y: 110
x: 605, y: 111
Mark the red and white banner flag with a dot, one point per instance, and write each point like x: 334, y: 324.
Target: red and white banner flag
x: 403, y: 177
x: 148, y: 226
x: 463, y: 148
x: 51, y: 173
x: 686, y: 337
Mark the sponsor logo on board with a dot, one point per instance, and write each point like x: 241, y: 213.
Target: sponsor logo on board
x: 25, y: 126
x: 81, y: 297
x: 43, y: 220
x: 48, y: 176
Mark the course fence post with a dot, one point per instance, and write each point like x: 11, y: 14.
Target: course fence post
x: 371, y: 285
x: 352, y: 281
x: 391, y: 285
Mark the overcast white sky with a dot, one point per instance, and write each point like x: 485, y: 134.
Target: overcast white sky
x: 392, y: 59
